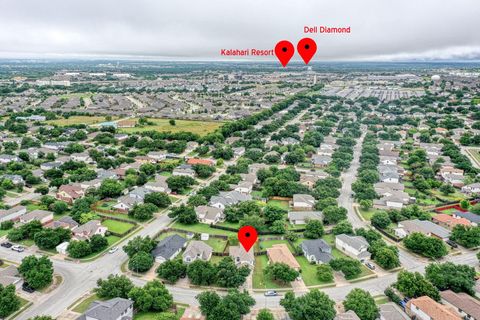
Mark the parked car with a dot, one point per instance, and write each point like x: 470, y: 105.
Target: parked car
x: 113, y: 250
x: 18, y: 248
x: 370, y: 266
x: 271, y: 293
x: 26, y: 287
x: 6, y: 245
x: 452, y: 244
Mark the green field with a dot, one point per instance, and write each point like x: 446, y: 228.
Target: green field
x: 259, y: 279
x: 87, y: 120
x: 118, y: 227
x: 198, y: 127
x: 154, y: 315
x: 217, y: 244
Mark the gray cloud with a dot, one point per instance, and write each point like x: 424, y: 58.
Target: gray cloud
x: 181, y: 29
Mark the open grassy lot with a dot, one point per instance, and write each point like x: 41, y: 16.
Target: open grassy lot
x: 201, y: 228
x: 118, y: 227
x: 259, y: 279
x: 367, y: 214
x: 198, y: 127
x: 309, y: 272
x: 87, y: 120
x: 279, y: 204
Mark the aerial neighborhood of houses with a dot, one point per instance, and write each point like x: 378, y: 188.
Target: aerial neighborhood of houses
x: 118, y: 202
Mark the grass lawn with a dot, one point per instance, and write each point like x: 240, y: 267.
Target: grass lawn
x: 12, y: 194
x: 235, y: 225
x: 217, y: 244
x: 367, y: 214
x: 201, y: 228
x: 118, y: 227
x: 279, y: 204
x: 259, y: 279
x: 457, y: 196
x: 112, y: 240
x: 3, y: 232
x: 166, y: 173
x: 198, y: 127
x: 88, y: 120
x: 27, y: 242
x: 269, y: 243
x: 153, y: 315
x: 120, y: 215
x: 381, y: 299
x: 35, y: 206
x: 309, y: 272
x: 83, y: 306
x: 171, y: 233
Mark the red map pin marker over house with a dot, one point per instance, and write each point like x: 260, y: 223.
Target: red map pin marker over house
x: 284, y: 51
x: 247, y: 236
x: 306, y: 48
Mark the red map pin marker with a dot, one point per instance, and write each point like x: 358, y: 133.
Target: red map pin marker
x: 306, y: 48
x: 247, y: 236
x: 284, y: 51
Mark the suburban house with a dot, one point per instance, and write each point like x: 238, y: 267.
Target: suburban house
x: 7, y: 158
x: 206, y: 162
x: 184, y: 170
x: 43, y: 216
x: 65, y: 222
x: 89, y: 229
x: 228, y: 198
x: 303, y: 202
x: 209, y: 215
x: 471, y: 188
x: 320, y: 161
x: 280, y: 253
x: 197, y: 250
x: 82, y: 157
x: 391, y: 311
x: 62, y: 248
x: 15, y: 178
x: 310, y: 178
x: 396, y: 200
x: 448, y: 221
x: 349, y: 315
x: 317, y: 251
x: 168, y: 248
x: 302, y: 217
x: 157, y: 155
x: 125, y: 203
x: 390, y: 177
x: 69, y: 193
x: 467, y: 306
x: 12, y: 214
x: 472, y: 217
x: 159, y: 185
x: 353, y: 246
x: 426, y: 227
x: 241, y: 257
x: 425, y: 308
x: 113, y: 309
x: 244, y: 187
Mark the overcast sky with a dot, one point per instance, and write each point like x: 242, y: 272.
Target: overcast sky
x: 198, y: 29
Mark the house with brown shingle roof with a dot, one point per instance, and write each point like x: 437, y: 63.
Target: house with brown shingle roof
x: 69, y: 193
x: 427, y: 308
x: 467, y: 306
x: 448, y: 221
x: 279, y: 253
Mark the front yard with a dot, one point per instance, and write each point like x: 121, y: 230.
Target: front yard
x: 259, y: 279
x: 118, y: 227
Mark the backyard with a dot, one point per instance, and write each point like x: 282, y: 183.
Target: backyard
x: 118, y: 227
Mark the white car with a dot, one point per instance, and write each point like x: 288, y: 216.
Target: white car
x: 18, y: 248
x: 113, y: 250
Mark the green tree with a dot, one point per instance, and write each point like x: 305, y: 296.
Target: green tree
x: 78, y: 249
x: 143, y: 212
x: 98, y: 243
x: 366, y: 204
x: 140, y: 262
x: 349, y: 267
x: 414, y: 285
x: 387, y: 258
x: 152, y: 297
x: 59, y: 207
x: 9, y: 301
x: 114, y: 286
x: 313, y: 305
x: 468, y: 237
x: 325, y: 273
x: 110, y: 188
x: 265, y: 314
x: 229, y: 275
x: 314, y: 229
x: 362, y: 303
x: 184, y: 214
x: 380, y: 219
x: 450, y: 276
x: 179, y: 183
x: 343, y: 227
x: 159, y: 199
x: 172, y: 270
x: 281, y: 272
x: 332, y: 215
x: 427, y: 246
x: 201, y: 273
x: 37, y: 272
x: 138, y: 244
